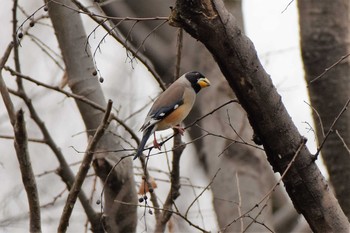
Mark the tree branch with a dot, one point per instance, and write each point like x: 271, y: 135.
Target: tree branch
x: 28, y: 178
x: 175, y: 184
x: 21, y: 146
x: 83, y: 170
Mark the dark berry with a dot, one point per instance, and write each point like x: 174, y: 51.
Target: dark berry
x: 94, y: 73
x: 101, y: 80
x: 46, y: 8
x: 141, y: 199
x: 20, y: 35
x: 31, y: 23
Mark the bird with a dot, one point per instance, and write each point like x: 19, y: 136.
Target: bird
x: 172, y: 107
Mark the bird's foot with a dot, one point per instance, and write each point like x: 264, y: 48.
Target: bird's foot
x: 180, y: 129
x: 156, y: 144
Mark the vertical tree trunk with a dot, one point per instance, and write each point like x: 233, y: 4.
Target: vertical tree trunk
x: 79, y: 67
x: 325, y: 38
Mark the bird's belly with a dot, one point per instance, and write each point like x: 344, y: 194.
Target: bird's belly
x: 174, y: 118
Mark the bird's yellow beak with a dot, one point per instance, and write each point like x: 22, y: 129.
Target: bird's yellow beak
x: 203, y: 82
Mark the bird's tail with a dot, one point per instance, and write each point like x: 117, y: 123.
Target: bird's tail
x: 145, y: 137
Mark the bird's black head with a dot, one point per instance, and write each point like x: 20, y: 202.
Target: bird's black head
x: 197, y: 80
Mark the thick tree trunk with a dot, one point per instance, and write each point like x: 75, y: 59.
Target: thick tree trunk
x: 79, y: 67
x: 325, y: 38
x: 210, y: 23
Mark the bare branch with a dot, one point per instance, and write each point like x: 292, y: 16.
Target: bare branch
x: 319, y: 118
x: 75, y: 96
x: 343, y: 141
x: 328, y: 69
x: 83, y: 170
x: 178, y: 53
x: 199, y: 119
x: 64, y: 171
x: 332, y: 126
x: 29, y: 139
x: 175, y: 183
x: 269, y: 193
x: 205, y: 189
x: 21, y: 145
x: 239, y: 206
x: 121, y: 40
x: 167, y: 210
x: 3, y: 89
x: 146, y: 178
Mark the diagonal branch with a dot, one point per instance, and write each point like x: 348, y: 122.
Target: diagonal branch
x: 332, y: 127
x: 83, y: 170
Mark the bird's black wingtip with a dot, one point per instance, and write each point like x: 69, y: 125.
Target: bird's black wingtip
x: 136, y: 156
x: 138, y: 152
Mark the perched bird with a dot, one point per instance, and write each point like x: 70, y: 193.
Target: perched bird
x: 172, y: 107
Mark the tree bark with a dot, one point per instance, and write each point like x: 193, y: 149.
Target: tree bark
x: 210, y: 23
x: 325, y: 38
x: 79, y: 67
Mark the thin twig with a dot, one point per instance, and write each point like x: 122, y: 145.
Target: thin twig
x: 149, y: 34
x: 233, y: 129
x: 21, y: 146
x: 46, y: 50
x: 318, y: 116
x: 167, y: 210
x: 205, y: 189
x: 154, y: 199
x: 52, y: 203
x: 97, y: 19
x: 200, y: 118
x: 3, y: 88
x: 211, y: 112
x: 84, y: 10
x: 239, y: 206
x: 83, y: 170
x: 229, y: 139
x: 261, y: 223
x: 174, y: 184
x: 28, y: 178
x: 269, y: 193
x: 328, y: 69
x: 29, y: 139
x: 344, y: 143
x: 290, y: 3
x: 331, y: 128
x: 75, y: 96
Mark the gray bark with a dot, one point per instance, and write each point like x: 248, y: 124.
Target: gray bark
x: 325, y: 38
x: 79, y: 67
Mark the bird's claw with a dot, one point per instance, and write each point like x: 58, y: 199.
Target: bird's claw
x: 180, y: 129
x: 156, y: 144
